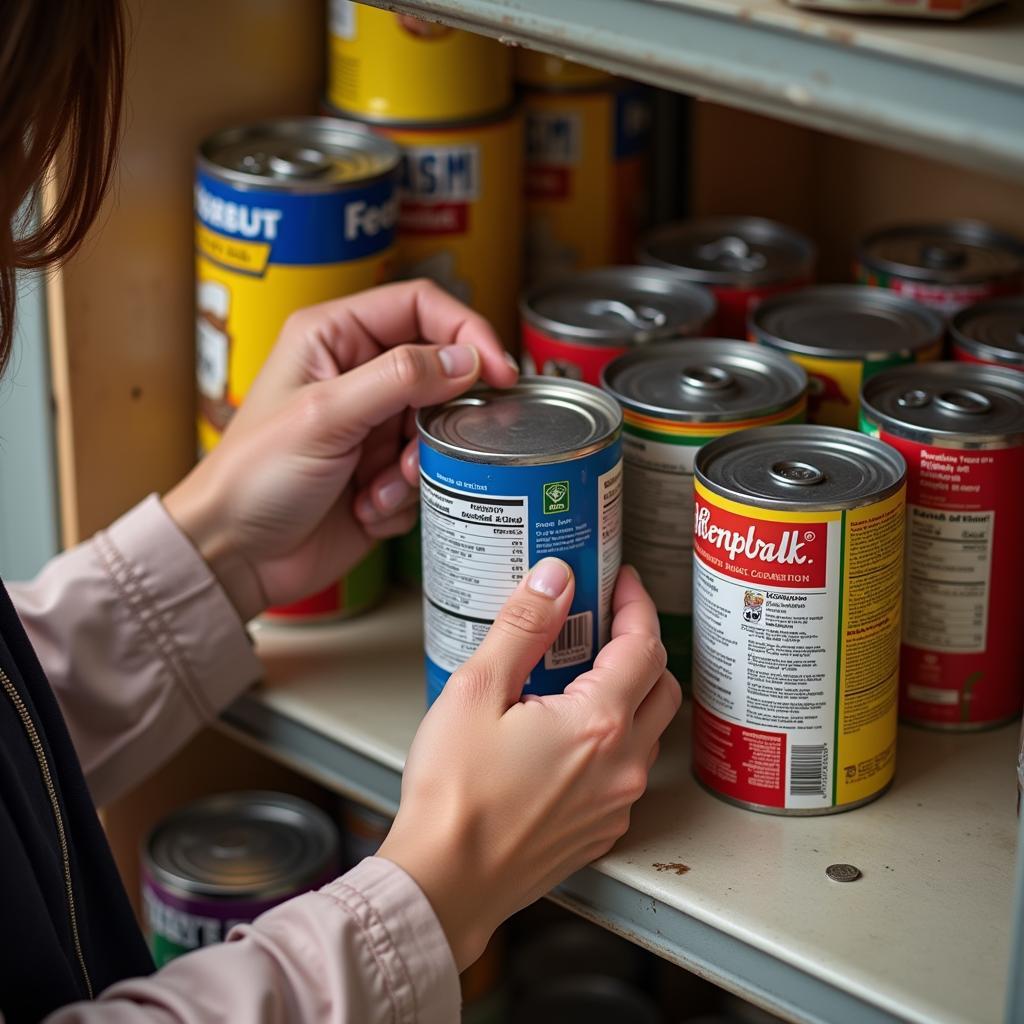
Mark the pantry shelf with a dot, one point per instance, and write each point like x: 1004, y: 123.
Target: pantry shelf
x: 741, y: 898
x: 949, y: 90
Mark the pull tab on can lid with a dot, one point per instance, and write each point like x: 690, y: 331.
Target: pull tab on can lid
x: 799, y: 474
x: 733, y: 252
x: 706, y: 378
x: 943, y: 256
x: 643, y: 318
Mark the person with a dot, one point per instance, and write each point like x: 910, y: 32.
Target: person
x: 125, y: 645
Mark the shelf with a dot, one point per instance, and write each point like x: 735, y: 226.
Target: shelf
x: 949, y: 90
x: 923, y: 936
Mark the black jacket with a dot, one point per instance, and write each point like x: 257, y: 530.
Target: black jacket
x: 66, y: 927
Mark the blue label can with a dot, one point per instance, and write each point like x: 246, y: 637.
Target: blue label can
x: 510, y: 477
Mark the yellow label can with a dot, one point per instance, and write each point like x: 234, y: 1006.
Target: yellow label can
x: 587, y: 155
x: 461, y: 218
x: 545, y: 71
x: 396, y: 68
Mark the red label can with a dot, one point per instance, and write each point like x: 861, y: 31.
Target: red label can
x: 961, y: 430
x: 990, y: 332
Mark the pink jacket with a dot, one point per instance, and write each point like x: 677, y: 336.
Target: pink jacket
x: 142, y: 647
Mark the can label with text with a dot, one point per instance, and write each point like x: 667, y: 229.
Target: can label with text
x: 961, y: 430
x: 507, y: 478
x: 798, y: 570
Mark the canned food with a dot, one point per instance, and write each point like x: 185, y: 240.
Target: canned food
x: 961, y: 430
x: 587, y: 162
x: 990, y: 332
x: 842, y: 335
x: 947, y: 266
x: 545, y: 71
x: 575, y: 326
x: 945, y: 9
x: 224, y: 860
x: 461, y: 212
x: 363, y: 831
x: 676, y: 396
x: 741, y: 259
x: 798, y: 574
x: 397, y: 68
x: 289, y: 213
x: 507, y: 478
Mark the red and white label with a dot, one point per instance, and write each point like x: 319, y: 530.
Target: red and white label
x: 961, y: 355
x: 950, y: 299
x: 552, y: 357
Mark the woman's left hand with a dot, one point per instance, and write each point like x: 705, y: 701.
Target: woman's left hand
x: 318, y: 465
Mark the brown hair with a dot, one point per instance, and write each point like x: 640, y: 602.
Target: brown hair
x: 61, y: 78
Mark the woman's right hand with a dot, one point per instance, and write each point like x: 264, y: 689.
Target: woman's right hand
x: 501, y: 798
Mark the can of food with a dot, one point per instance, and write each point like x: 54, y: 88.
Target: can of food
x: 990, y: 332
x: 224, y: 860
x: 843, y: 334
x: 575, y: 326
x: 537, y: 70
x: 461, y: 212
x: 363, y: 831
x: 741, y: 259
x: 946, y: 266
x: 587, y: 164
x: 508, y: 478
x: 946, y: 10
x: 288, y: 213
x: 961, y: 430
x: 395, y: 68
x: 798, y: 575
x: 676, y: 396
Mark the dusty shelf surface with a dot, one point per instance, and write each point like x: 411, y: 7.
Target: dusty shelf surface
x: 742, y: 898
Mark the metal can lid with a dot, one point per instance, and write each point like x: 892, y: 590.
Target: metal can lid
x: 969, y: 403
x: 846, y: 321
x: 801, y: 468
x: 539, y: 420
x: 951, y: 252
x: 242, y: 846
x: 617, y: 305
x: 730, y: 250
x: 992, y: 330
x: 705, y: 380
x: 298, y: 154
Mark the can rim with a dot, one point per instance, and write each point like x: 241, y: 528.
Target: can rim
x: 777, y: 362
x: 930, y: 320
x: 595, y: 396
x: 960, y: 338
x: 807, y: 432
x: 244, y: 181
x: 507, y: 112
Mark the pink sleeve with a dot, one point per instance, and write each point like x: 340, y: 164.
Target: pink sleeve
x: 366, y: 949
x: 140, y: 644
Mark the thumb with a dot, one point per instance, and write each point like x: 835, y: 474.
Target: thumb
x: 525, y: 628
x: 348, y: 407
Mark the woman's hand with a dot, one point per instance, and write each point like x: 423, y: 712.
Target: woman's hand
x: 317, y: 464
x: 503, y: 799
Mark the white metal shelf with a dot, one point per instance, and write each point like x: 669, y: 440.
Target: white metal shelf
x: 949, y: 90
x: 923, y: 936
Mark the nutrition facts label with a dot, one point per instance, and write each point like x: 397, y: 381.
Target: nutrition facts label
x: 949, y: 571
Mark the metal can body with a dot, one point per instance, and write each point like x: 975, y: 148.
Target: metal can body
x: 990, y: 332
x: 946, y: 266
x: 576, y: 325
x: 396, y: 68
x: 741, y: 259
x: 842, y: 335
x: 224, y: 860
x: 675, y: 397
x: 461, y: 214
x: 587, y: 163
x: 545, y: 71
x: 798, y: 571
x: 961, y: 430
x: 507, y: 478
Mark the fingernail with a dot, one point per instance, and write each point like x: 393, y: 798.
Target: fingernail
x: 457, y: 360
x: 550, y: 577
x: 391, y: 495
x: 511, y: 360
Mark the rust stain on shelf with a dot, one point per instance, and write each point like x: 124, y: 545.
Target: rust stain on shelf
x: 679, y: 869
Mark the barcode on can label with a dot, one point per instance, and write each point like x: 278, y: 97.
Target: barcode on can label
x: 808, y: 770
x: 574, y: 644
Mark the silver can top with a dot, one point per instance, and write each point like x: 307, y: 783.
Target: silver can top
x: 801, y: 468
x: 617, y: 306
x: 951, y: 252
x: 846, y: 321
x: 992, y: 331
x: 540, y: 420
x: 730, y: 251
x: 706, y: 380
x: 968, y: 404
x: 298, y: 154
x: 251, y: 845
